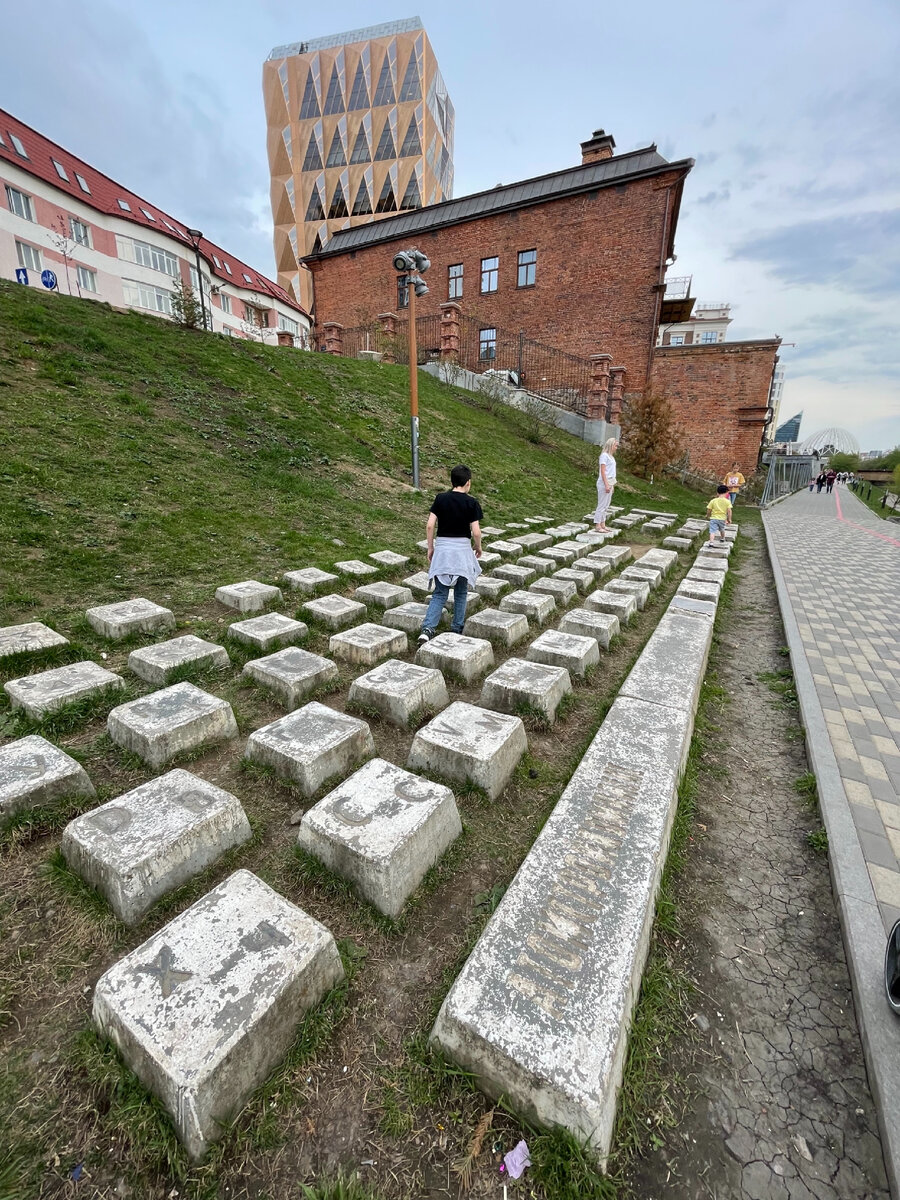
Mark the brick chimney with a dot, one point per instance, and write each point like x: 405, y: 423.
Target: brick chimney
x: 599, y: 145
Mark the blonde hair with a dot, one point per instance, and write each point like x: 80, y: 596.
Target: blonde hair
x: 609, y: 445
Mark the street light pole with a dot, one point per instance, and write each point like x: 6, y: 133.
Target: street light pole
x: 195, y: 235
x: 413, y: 382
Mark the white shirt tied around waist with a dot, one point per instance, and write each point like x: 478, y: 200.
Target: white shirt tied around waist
x: 453, y: 557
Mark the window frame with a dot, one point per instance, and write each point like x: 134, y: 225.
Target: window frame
x: 529, y: 266
x: 455, y: 282
x: 289, y: 325
x: 28, y: 206
x: 402, y: 291
x: 162, y: 299
x: 60, y: 170
x: 83, y: 184
x: 225, y: 301
x: 708, y: 337
x: 18, y: 145
x: 88, y: 240
x: 487, y: 342
x: 679, y: 337
x: 84, y: 273
x: 21, y: 248
x: 488, y: 271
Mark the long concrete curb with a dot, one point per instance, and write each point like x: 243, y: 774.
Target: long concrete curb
x: 861, y: 923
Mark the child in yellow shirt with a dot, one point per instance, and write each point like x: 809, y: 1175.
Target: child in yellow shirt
x: 719, y: 512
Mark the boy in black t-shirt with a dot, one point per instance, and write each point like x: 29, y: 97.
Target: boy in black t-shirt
x: 453, y: 525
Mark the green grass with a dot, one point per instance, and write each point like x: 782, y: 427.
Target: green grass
x: 873, y: 503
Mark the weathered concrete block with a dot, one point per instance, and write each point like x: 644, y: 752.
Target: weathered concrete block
x: 519, y: 576
x: 423, y: 545
x: 558, y: 649
x: 492, y: 587
x: 686, y: 604
x: 311, y: 746
x: 591, y: 538
x: 516, y: 525
x: 696, y: 589
x: 166, y: 723
x: 293, y: 675
x: 687, y: 533
x: 30, y: 637
x: 153, y: 839
x: 501, y: 628
x: 698, y: 575
x: 561, y: 556
x: 720, y: 550
x: 492, y: 531
x: 602, y: 626
x: 677, y: 543
x: 120, y: 620
x: 46, y: 691
x: 505, y: 549
x: 419, y: 584
x: 621, y: 606
x: 579, y: 549
x: 400, y: 691
x: 474, y: 601
x: 534, y: 562
x: 664, y: 559
x: 520, y: 685
x: 457, y: 656
x: 355, y: 568
x: 470, y: 744
x: 334, y: 612
x: 268, y: 631
x: 561, y: 531
x: 536, y: 607
x: 367, y: 644
x: 583, y: 580
x: 410, y: 617
x: 35, y: 773
x: 249, y: 596
x: 383, y: 595
x: 541, y: 1011
x: 310, y: 580
x: 617, y: 556
x: 599, y: 568
x: 489, y: 560
x: 387, y: 558
x: 671, y: 666
x: 382, y: 829
x: 205, y: 1009
x: 563, y: 591
x: 625, y: 522
x: 533, y: 541
x: 651, y: 575
x: 654, y: 512
x: 156, y: 663
x: 631, y: 587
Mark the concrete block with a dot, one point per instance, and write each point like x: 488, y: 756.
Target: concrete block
x: 516, y: 525
x: 383, y: 595
x: 656, y: 514
x: 170, y: 722
x: 617, y: 556
x: 46, y: 691
x: 708, y: 562
x: 561, y: 556
x: 268, y: 631
x: 470, y: 744
x: 583, y: 580
x: 720, y: 550
x: 599, y: 568
x: 561, y: 531
x: 293, y: 675
x: 685, y: 604
x: 205, y: 1009
x: 677, y: 543
x: 696, y: 589
x: 591, y: 538
x: 505, y: 549
x: 534, y: 562
x: 687, y: 533
x: 492, y: 531
x: 631, y: 587
x: 334, y: 612
x: 621, y: 606
x: 698, y: 575
x: 28, y: 638
x: 355, y: 568
x: 579, y: 549
x: 519, y: 576
x: 491, y: 586
x: 120, y: 620
x: 410, y: 617
x: 387, y: 558
x: 533, y: 541
x: 474, y: 601
x: 419, y: 584
x: 664, y: 559
x: 146, y: 843
x: 35, y: 773
x: 423, y: 545
x: 311, y: 746
x: 651, y: 575
x: 382, y: 829
x: 367, y: 644
x: 309, y: 581
x: 671, y: 666
x: 489, y: 560
x: 400, y: 691
x: 563, y: 591
x: 570, y: 650
x: 249, y: 596
x: 602, y: 626
x: 541, y: 1011
x: 625, y: 522
x: 457, y: 656
x: 501, y: 628
x: 536, y: 607
x: 519, y: 684
x: 156, y: 663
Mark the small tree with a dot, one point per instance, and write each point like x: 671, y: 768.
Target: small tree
x: 650, y: 436
x: 844, y: 462
x: 186, y: 309
x: 64, y: 245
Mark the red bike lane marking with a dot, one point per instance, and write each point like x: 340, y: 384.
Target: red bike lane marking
x: 874, y: 532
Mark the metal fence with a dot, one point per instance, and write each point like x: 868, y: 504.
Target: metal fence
x: 787, y: 474
x: 560, y: 378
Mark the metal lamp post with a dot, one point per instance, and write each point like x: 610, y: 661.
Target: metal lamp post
x: 411, y: 265
x: 195, y: 235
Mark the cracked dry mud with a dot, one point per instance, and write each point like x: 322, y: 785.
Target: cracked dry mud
x: 779, y: 1107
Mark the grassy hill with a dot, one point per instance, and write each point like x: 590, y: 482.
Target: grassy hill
x: 137, y: 458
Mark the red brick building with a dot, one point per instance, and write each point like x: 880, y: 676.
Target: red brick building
x: 575, y: 259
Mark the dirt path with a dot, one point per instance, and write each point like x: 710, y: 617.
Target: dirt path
x: 779, y: 1102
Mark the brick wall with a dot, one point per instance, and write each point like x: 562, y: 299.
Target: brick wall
x: 600, y: 261
x: 720, y: 394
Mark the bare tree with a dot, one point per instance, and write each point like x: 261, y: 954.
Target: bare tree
x: 64, y: 244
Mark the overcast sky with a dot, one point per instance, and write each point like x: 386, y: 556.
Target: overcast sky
x: 791, y: 110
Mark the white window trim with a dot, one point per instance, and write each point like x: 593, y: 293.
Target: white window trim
x: 23, y: 250
x: 89, y: 238
x: 84, y: 274
x: 83, y: 183
x: 28, y: 203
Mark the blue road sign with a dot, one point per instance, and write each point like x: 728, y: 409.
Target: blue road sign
x: 21, y: 275
x: 48, y: 279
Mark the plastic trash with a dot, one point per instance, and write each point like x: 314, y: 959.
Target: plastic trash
x: 517, y: 1160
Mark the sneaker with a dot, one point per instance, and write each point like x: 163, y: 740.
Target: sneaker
x: 425, y: 636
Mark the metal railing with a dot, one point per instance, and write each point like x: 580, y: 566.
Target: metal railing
x: 787, y: 474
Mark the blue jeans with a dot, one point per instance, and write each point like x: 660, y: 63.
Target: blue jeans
x: 439, y: 599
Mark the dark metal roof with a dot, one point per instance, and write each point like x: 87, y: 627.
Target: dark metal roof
x: 604, y: 173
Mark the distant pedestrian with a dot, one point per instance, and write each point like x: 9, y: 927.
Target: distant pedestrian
x: 733, y: 481
x: 830, y: 477
x: 718, y: 511
x: 812, y: 482
x: 454, y: 523
x: 606, y: 481
x: 820, y: 481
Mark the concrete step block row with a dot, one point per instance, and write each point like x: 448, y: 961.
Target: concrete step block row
x: 534, y: 605
x: 34, y: 773
x: 121, y: 620
x: 248, y: 596
x: 526, y: 684
x: 469, y: 744
x: 268, y: 631
x: 461, y: 657
x: 400, y: 691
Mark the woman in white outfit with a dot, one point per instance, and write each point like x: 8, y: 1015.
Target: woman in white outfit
x: 606, y: 481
